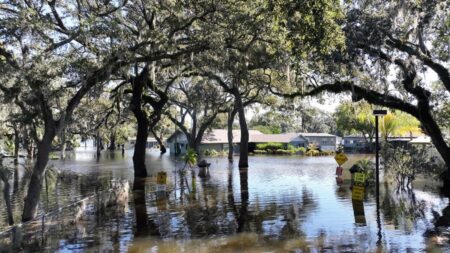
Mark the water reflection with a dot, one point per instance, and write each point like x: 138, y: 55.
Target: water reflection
x: 144, y: 225
x: 277, y: 204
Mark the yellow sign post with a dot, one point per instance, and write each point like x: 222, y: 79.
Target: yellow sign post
x: 359, y: 177
x: 358, y: 193
x: 340, y: 158
x: 161, y: 178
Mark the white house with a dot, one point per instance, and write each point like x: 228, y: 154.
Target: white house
x: 217, y: 139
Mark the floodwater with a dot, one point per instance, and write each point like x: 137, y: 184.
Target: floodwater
x: 278, y: 204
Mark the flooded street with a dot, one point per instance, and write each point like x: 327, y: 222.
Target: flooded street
x: 278, y: 204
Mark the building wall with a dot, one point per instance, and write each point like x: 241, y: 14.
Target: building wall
x: 298, y: 144
x: 323, y: 142
x: 178, y: 144
x: 177, y: 148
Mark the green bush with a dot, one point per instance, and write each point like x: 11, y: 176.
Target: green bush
x: 223, y: 153
x: 367, y: 167
x: 53, y: 156
x: 270, y: 146
x: 285, y: 152
x: 190, y: 158
x: 327, y: 152
x: 290, y: 147
x: 301, y: 149
x: 210, y: 152
x: 260, y: 152
x: 312, y: 152
x: 261, y: 146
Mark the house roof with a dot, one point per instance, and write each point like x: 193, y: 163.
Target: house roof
x: 149, y: 139
x: 355, y: 137
x: 316, y: 135
x: 283, y: 138
x: 255, y: 136
x: 421, y: 140
x: 221, y: 136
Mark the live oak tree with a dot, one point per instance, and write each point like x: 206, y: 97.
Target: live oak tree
x: 149, y: 96
x: 50, y: 53
x: 164, y: 32
x: 199, y: 101
x: 49, y: 57
x: 244, y: 44
x: 400, y: 39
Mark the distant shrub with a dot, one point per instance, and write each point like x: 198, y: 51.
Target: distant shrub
x: 312, y: 152
x: 210, y: 152
x: 367, y: 167
x: 222, y: 153
x: 261, y: 146
x: 270, y: 147
x: 327, y: 152
x: 301, y: 149
x: 260, y: 152
x: 53, y: 156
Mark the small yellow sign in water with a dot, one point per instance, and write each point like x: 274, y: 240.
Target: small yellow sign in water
x: 161, y: 178
x: 340, y: 158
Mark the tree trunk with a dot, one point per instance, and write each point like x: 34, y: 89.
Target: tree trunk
x: 140, y: 170
x: 162, y: 147
x: 30, y: 150
x: 98, y: 144
x: 194, y: 144
x: 16, y: 146
x: 433, y: 130
x: 63, y: 144
x: 243, y: 155
x: 230, y: 121
x: 35, y: 185
x: 138, y: 84
x: 7, y: 198
x: 112, y: 144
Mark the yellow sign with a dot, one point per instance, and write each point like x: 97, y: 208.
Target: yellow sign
x: 161, y: 178
x: 357, y: 192
x: 340, y: 158
x: 359, y: 177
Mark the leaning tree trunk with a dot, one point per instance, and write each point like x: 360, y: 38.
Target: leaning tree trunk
x: 230, y: 121
x: 433, y: 130
x: 35, y: 185
x: 243, y: 154
x: 162, y: 147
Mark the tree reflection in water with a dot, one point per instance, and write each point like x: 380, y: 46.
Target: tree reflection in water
x: 144, y: 225
x: 234, y: 210
x: 243, y: 212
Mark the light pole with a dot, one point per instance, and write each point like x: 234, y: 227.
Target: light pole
x: 377, y: 169
x: 377, y: 148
